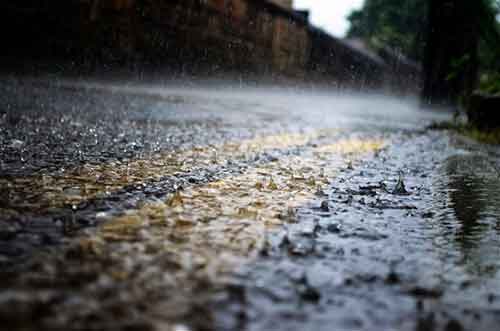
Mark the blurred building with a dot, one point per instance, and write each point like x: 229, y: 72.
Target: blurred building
x: 263, y: 38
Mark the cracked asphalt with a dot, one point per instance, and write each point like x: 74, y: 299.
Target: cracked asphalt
x: 134, y: 206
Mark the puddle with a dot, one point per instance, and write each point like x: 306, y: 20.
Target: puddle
x: 470, y: 215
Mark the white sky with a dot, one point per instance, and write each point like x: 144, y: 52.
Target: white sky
x: 330, y: 15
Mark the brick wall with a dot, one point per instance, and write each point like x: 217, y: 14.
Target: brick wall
x: 199, y: 36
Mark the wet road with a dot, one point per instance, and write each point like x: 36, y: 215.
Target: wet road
x: 135, y: 207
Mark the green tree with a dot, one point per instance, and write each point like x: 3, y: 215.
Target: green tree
x: 489, y: 51
x: 398, y: 24
x: 454, y: 39
x: 452, y: 58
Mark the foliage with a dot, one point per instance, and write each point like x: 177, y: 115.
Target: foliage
x: 489, y: 48
x: 484, y: 136
x: 398, y: 24
x: 401, y: 25
x: 490, y: 82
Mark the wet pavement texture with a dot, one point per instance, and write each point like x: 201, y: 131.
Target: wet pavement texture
x: 139, y: 207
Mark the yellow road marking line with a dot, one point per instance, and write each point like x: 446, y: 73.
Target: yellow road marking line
x: 45, y: 192
x: 219, y: 225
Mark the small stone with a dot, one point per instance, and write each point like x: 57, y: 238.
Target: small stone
x: 307, y: 292
x: 392, y: 278
x: 333, y: 228
x: 300, y: 249
x: 285, y: 242
x: 400, y: 188
x: 426, y: 292
x: 310, y: 294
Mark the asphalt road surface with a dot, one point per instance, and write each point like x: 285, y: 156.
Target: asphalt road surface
x: 219, y: 207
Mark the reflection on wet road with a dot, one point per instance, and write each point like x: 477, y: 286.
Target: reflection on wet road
x: 472, y: 183
x: 161, y: 208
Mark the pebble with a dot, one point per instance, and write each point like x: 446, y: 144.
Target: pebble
x: 333, y: 228
x: 325, y: 206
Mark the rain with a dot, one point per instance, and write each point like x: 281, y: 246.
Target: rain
x: 249, y: 165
